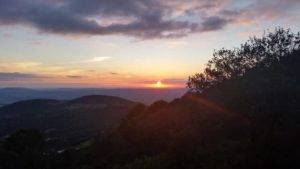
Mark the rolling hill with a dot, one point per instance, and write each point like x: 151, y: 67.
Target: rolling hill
x: 65, y: 121
x: 146, y: 96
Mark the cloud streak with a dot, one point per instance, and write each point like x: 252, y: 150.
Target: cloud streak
x: 75, y: 76
x: 12, y: 76
x: 99, y: 59
x: 143, y: 19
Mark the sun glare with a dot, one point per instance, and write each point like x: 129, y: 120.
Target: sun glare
x: 159, y: 84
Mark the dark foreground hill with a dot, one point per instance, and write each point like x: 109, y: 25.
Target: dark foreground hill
x: 66, y: 121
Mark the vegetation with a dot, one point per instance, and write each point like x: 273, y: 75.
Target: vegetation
x: 65, y: 122
x: 242, y: 112
x: 256, y: 53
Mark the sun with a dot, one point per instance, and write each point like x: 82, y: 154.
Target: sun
x: 158, y: 84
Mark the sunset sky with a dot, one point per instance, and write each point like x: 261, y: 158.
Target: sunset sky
x: 126, y: 43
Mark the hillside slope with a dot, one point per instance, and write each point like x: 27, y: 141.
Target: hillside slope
x: 68, y: 121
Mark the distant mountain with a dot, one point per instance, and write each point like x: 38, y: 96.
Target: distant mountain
x: 65, y: 121
x: 147, y: 96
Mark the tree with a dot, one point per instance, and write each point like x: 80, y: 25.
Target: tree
x: 262, y: 52
x: 23, y: 149
x: 24, y: 140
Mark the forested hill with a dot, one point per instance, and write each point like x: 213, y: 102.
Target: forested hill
x: 65, y: 121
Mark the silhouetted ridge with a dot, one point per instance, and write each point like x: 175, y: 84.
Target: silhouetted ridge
x: 147, y: 96
x: 94, y: 99
x: 34, y: 102
x: 29, y: 107
x: 66, y: 121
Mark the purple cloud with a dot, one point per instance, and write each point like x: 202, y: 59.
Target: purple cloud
x: 144, y: 19
x: 8, y: 76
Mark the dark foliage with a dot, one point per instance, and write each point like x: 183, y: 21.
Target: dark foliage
x: 22, y: 149
x: 255, y: 53
x: 65, y: 122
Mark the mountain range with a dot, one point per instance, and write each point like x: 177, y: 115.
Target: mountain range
x: 146, y: 96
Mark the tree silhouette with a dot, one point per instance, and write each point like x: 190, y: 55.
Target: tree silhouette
x: 256, y: 52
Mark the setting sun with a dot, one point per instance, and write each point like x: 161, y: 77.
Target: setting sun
x: 158, y: 84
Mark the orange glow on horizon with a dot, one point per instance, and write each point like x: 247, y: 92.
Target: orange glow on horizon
x: 159, y: 84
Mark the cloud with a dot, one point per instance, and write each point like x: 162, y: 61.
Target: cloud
x: 176, y: 43
x: 27, y: 64
x: 10, y: 66
x: 214, y: 23
x: 75, y: 76
x: 175, y: 81
x: 144, y: 19
x: 113, y: 73
x: 94, y: 59
x: 99, y: 59
x: 12, y: 76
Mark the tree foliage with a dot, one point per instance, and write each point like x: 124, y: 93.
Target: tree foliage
x: 261, y: 52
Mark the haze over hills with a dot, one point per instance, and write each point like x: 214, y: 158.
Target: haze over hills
x: 147, y: 96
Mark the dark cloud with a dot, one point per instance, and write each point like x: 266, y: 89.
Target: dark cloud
x: 114, y: 73
x: 75, y: 76
x: 114, y: 7
x: 144, y: 19
x: 8, y: 76
x: 214, y: 23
